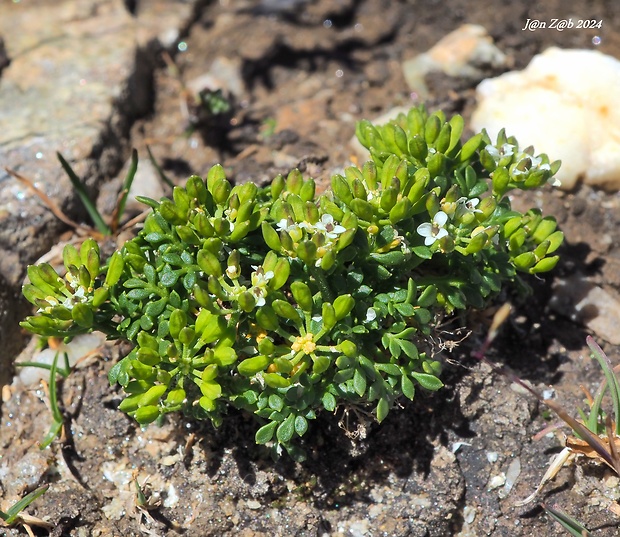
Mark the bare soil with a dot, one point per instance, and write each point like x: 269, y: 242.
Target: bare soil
x: 431, y: 468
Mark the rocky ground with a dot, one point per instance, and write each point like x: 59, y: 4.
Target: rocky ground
x: 91, y: 79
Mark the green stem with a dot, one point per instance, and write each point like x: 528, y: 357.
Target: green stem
x: 321, y: 281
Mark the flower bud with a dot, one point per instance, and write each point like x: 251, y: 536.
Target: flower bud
x: 266, y: 318
x: 294, y: 181
x: 251, y: 366
x: 302, y: 295
x: 209, y: 263
x: 146, y: 414
x: 343, y: 306
x: 285, y: 310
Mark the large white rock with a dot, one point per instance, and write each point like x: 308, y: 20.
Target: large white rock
x: 567, y: 104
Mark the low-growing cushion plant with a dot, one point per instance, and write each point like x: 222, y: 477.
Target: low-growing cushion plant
x: 283, y: 303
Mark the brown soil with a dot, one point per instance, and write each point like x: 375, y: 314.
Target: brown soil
x: 428, y: 469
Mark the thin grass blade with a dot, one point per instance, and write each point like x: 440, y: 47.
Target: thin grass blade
x: 101, y: 226
x: 568, y: 523
x: 131, y: 174
x: 160, y: 171
x: 612, y: 380
x: 13, y: 512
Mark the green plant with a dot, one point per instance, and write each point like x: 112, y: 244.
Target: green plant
x: 14, y: 516
x: 284, y: 303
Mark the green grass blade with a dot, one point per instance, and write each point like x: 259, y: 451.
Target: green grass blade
x: 79, y: 188
x: 131, y: 174
x: 57, y: 417
x: 612, y: 381
x: 568, y: 523
x: 157, y: 167
x: 13, y: 513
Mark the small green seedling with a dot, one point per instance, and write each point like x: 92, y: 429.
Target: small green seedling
x: 567, y: 522
x: 58, y: 419
x: 14, y: 516
x: 284, y: 303
x: 100, y: 224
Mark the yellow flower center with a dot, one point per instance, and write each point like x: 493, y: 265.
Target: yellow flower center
x: 304, y: 343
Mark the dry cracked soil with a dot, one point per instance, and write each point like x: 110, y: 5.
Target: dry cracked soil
x: 95, y: 78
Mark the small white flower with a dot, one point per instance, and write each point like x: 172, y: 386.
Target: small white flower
x: 505, y: 150
x: 371, y: 315
x: 464, y: 206
x: 284, y: 225
x: 329, y: 227
x: 260, y: 279
x: 434, y: 231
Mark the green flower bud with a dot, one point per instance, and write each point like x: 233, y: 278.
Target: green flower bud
x: 221, y: 191
x: 320, y: 364
x: 443, y: 139
x: 341, y: 189
x: 175, y: 397
x: 525, y: 260
x: 546, y: 227
x: 517, y: 239
x: 358, y: 189
x: 271, y: 237
x: 487, y: 161
x: 545, y: 265
x: 500, y: 178
x: 343, y: 306
x: 307, y: 190
x: 178, y: 321
x: 432, y: 129
x: 511, y: 226
x: 209, y: 263
x: 152, y: 395
x: 239, y: 232
x: 267, y: 319
x: 247, y: 192
x: 436, y: 164
x: 266, y: 347
x: 432, y: 204
x: 418, y: 148
x: 294, y: 181
x: 477, y: 243
x: 71, y: 256
x: 247, y: 301
x: 306, y: 251
x: 416, y: 120
x: 329, y: 259
x: 281, y: 273
x: 273, y: 380
x: 187, y: 335
x: 401, y: 211
x: 285, y: 310
x: 470, y: 147
x: 369, y: 174
x: 389, y: 197
x: 146, y: 414
x: 202, y: 296
x: 82, y: 314
x: 196, y: 189
x: 129, y: 404
x: 251, y: 366
x: 486, y: 207
x: 555, y: 240
x: 363, y: 209
x: 148, y: 356
x: 302, y: 295
x: 348, y: 348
